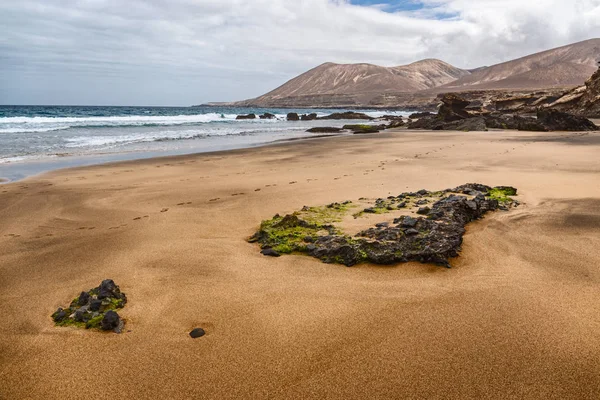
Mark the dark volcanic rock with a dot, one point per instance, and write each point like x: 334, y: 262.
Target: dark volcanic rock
x: 308, y: 117
x: 293, y: 117
x: 59, y: 315
x: 249, y: 116
x: 347, y: 115
x: 434, y: 238
x: 197, y: 332
x: 559, y: 121
x: 418, y: 115
x: 94, y: 308
x: 269, y: 252
x: 266, y: 116
x: 324, y: 129
x: 110, y: 321
x: 453, y: 108
x: 529, y: 124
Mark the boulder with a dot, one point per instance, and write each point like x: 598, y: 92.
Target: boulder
x: 308, y: 117
x: 453, y: 108
x: 110, y: 321
x: 555, y: 120
x: 266, y: 116
x: 293, y: 117
x: 248, y: 116
x: 347, y: 115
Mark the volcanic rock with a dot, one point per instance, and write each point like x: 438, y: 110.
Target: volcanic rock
x: 347, y: 115
x: 249, y: 116
x: 555, y: 120
x: 324, y: 129
x: 94, y: 308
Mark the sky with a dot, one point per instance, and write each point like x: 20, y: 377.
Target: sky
x: 184, y: 52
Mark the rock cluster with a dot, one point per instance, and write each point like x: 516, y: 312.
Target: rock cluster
x: 434, y: 236
x: 267, y: 116
x: 94, y: 309
x: 453, y: 115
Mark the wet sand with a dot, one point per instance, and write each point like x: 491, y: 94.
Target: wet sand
x: 516, y: 317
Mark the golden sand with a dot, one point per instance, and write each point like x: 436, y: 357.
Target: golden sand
x: 516, y: 318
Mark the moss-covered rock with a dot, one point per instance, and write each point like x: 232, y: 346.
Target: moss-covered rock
x: 94, y: 309
x: 435, y: 236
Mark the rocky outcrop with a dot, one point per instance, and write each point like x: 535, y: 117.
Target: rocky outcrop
x: 347, y: 115
x: 324, y: 129
x: 555, y: 120
x: 583, y: 101
x: 293, y: 117
x: 248, y: 116
x: 364, y: 128
x: 308, y: 117
x: 267, y: 116
x: 418, y: 115
x: 453, y: 108
x: 434, y: 235
x: 94, y: 309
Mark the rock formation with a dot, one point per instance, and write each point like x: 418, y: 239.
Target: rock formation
x: 433, y: 236
x: 94, y: 309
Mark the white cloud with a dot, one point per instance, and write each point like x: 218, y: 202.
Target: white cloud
x: 190, y: 51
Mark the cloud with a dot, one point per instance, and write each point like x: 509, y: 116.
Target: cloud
x: 191, y: 51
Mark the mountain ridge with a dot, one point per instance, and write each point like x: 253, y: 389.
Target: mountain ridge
x: 369, y: 85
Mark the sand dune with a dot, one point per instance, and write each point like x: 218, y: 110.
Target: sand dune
x: 517, y: 316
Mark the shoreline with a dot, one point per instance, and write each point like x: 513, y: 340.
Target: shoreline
x: 516, y: 313
x: 51, y: 164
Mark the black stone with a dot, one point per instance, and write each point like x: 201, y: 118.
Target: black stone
x: 59, y: 315
x: 197, y: 332
x: 84, y: 298
x: 95, y: 305
x: 270, y: 252
x: 110, y: 321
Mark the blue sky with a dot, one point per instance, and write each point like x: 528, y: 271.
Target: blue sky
x: 392, y: 6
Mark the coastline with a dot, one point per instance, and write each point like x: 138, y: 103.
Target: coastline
x: 515, y: 315
x: 18, y: 171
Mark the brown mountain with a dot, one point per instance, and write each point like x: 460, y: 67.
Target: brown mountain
x: 352, y: 84
x: 367, y: 85
x: 561, y: 67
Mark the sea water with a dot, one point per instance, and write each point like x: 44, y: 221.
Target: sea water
x: 40, y: 138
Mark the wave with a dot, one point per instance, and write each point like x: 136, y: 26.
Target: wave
x: 48, y: 124
x: 164, y: 136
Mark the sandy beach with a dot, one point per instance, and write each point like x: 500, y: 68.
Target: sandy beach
x: 515, y: 318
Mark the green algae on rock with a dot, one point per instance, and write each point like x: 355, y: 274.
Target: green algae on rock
x: 94, y: 309
x: 431, y: 234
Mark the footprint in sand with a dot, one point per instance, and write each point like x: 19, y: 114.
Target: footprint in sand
x: 215, y: 199
x: 164, y: 210
x: 137, y: 218
x: 293, y: 182
x: 257, y: 190
x: 13, y: 235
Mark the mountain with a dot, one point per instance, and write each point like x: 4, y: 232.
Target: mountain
x: 353, y: 84
x: 368, y: 85
x: 561, y: 67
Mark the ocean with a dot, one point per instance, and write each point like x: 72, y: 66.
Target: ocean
x: 34, y: 139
